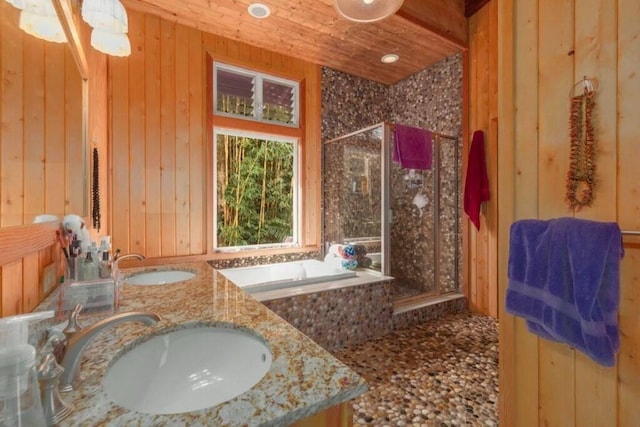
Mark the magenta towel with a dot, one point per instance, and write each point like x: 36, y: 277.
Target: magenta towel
x: 476, y: 186
x: 412, y: 148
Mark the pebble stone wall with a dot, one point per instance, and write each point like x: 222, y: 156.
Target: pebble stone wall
x: 430, y: 99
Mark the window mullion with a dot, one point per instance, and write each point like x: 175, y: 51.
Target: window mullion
x: 258, y: 97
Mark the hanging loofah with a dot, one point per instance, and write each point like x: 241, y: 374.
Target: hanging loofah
x: 581, y: 179
x: 95, y: 191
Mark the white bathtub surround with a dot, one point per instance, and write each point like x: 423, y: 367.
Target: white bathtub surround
x: 262, y: 278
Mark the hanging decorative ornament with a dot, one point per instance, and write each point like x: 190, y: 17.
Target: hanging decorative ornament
x: 581, y: 178
x: 95, y: 191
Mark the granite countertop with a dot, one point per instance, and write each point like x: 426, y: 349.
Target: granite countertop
x: 303, y: 380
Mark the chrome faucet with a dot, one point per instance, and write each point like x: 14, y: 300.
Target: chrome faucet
x: 118, y: 257
x: 115, y: 269
x: 77, y: 343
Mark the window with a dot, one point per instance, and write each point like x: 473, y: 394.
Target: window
x: 255, y: 96
x: 255, y: 165
x: 256, y: 189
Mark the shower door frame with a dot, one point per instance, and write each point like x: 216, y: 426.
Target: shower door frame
x: 411, y: 300
x: 385, y: 247
x: 386, y: 215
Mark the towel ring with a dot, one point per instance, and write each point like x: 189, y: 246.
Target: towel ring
x: 588, y: 86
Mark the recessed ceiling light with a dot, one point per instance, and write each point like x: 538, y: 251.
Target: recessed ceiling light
x: 259, y: 10
x: 389, y: 58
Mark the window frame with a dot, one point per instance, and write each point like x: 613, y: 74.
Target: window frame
x: 297, y: 179
x: 259, y: 78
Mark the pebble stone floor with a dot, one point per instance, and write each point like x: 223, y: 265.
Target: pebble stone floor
x: 440, y: 373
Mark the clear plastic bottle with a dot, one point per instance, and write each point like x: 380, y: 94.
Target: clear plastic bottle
x: 105, y: 266
x: 20, y: 404
x: 89, y: 269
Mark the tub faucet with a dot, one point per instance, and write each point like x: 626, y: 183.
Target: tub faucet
x: 79, y: 341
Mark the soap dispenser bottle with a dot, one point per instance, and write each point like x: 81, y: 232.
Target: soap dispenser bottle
x: 20, y: 403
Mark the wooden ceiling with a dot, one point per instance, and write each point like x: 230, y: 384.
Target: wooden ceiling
x: 422, y: 32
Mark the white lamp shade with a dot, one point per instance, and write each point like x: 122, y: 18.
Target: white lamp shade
x: 115, y: 44
x: 18, y: 4
x: 44, y: 27
x: 39, y: 7
x: 367, y: 10
x: 105, y: 15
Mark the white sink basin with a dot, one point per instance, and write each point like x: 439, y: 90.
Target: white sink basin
x: 187, y: 370
x: 159, y: 277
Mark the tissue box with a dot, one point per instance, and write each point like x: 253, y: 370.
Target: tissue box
x: 95, y: 296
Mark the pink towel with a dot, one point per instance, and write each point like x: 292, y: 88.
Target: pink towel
x: 412, y: 147
x: 476, y: 187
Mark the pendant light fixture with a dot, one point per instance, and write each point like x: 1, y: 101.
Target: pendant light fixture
x: 108, y: 18
x: 39, y: 18
x: 367, y: 10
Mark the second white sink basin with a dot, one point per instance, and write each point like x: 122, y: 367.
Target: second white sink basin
x: 187, y: 369
x: 159, y: 277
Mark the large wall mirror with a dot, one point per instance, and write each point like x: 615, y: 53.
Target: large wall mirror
x: 43, y: 143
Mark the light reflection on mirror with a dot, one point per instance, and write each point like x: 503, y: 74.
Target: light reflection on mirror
x: 43, y: 159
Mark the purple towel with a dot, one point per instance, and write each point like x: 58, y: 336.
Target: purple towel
x: 564, y: 279
x: 412, y: 148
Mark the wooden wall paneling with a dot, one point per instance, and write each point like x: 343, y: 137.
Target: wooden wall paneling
x: 507, y: 398
x: 19, y: 248
x: 628, y: 368
x: 152, y: 166
x: 46, y: 257
x: 98, y: 117
x: 595, y: 57
x: 119, y: 163
x: 54, y: 123
x: 11, y: 288
x: 555, y: 67
x: 34, y: 131
x: 2, y: 79
x: 11, y: 154
x: 492, y: 164
x: 526, y: 157
x: 466, y: 126
x: 168, y: 137
x: 472, y: 263
x: 31, y: 272
x: 628, y: 206
x: 182, y: 140
x: 171, y: 137
x: 313, y: 152
x: 482, y: 260
x: 482, y: 123
x: 197, y: 143
x: 137, y: 137
x: 77, y: 159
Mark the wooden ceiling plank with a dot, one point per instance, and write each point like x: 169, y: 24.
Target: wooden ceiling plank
x: 312, y: 31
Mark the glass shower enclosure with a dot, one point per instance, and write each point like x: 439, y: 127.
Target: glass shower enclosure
x: 408, y: 220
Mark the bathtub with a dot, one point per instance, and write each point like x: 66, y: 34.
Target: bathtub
x: 263, y: 278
